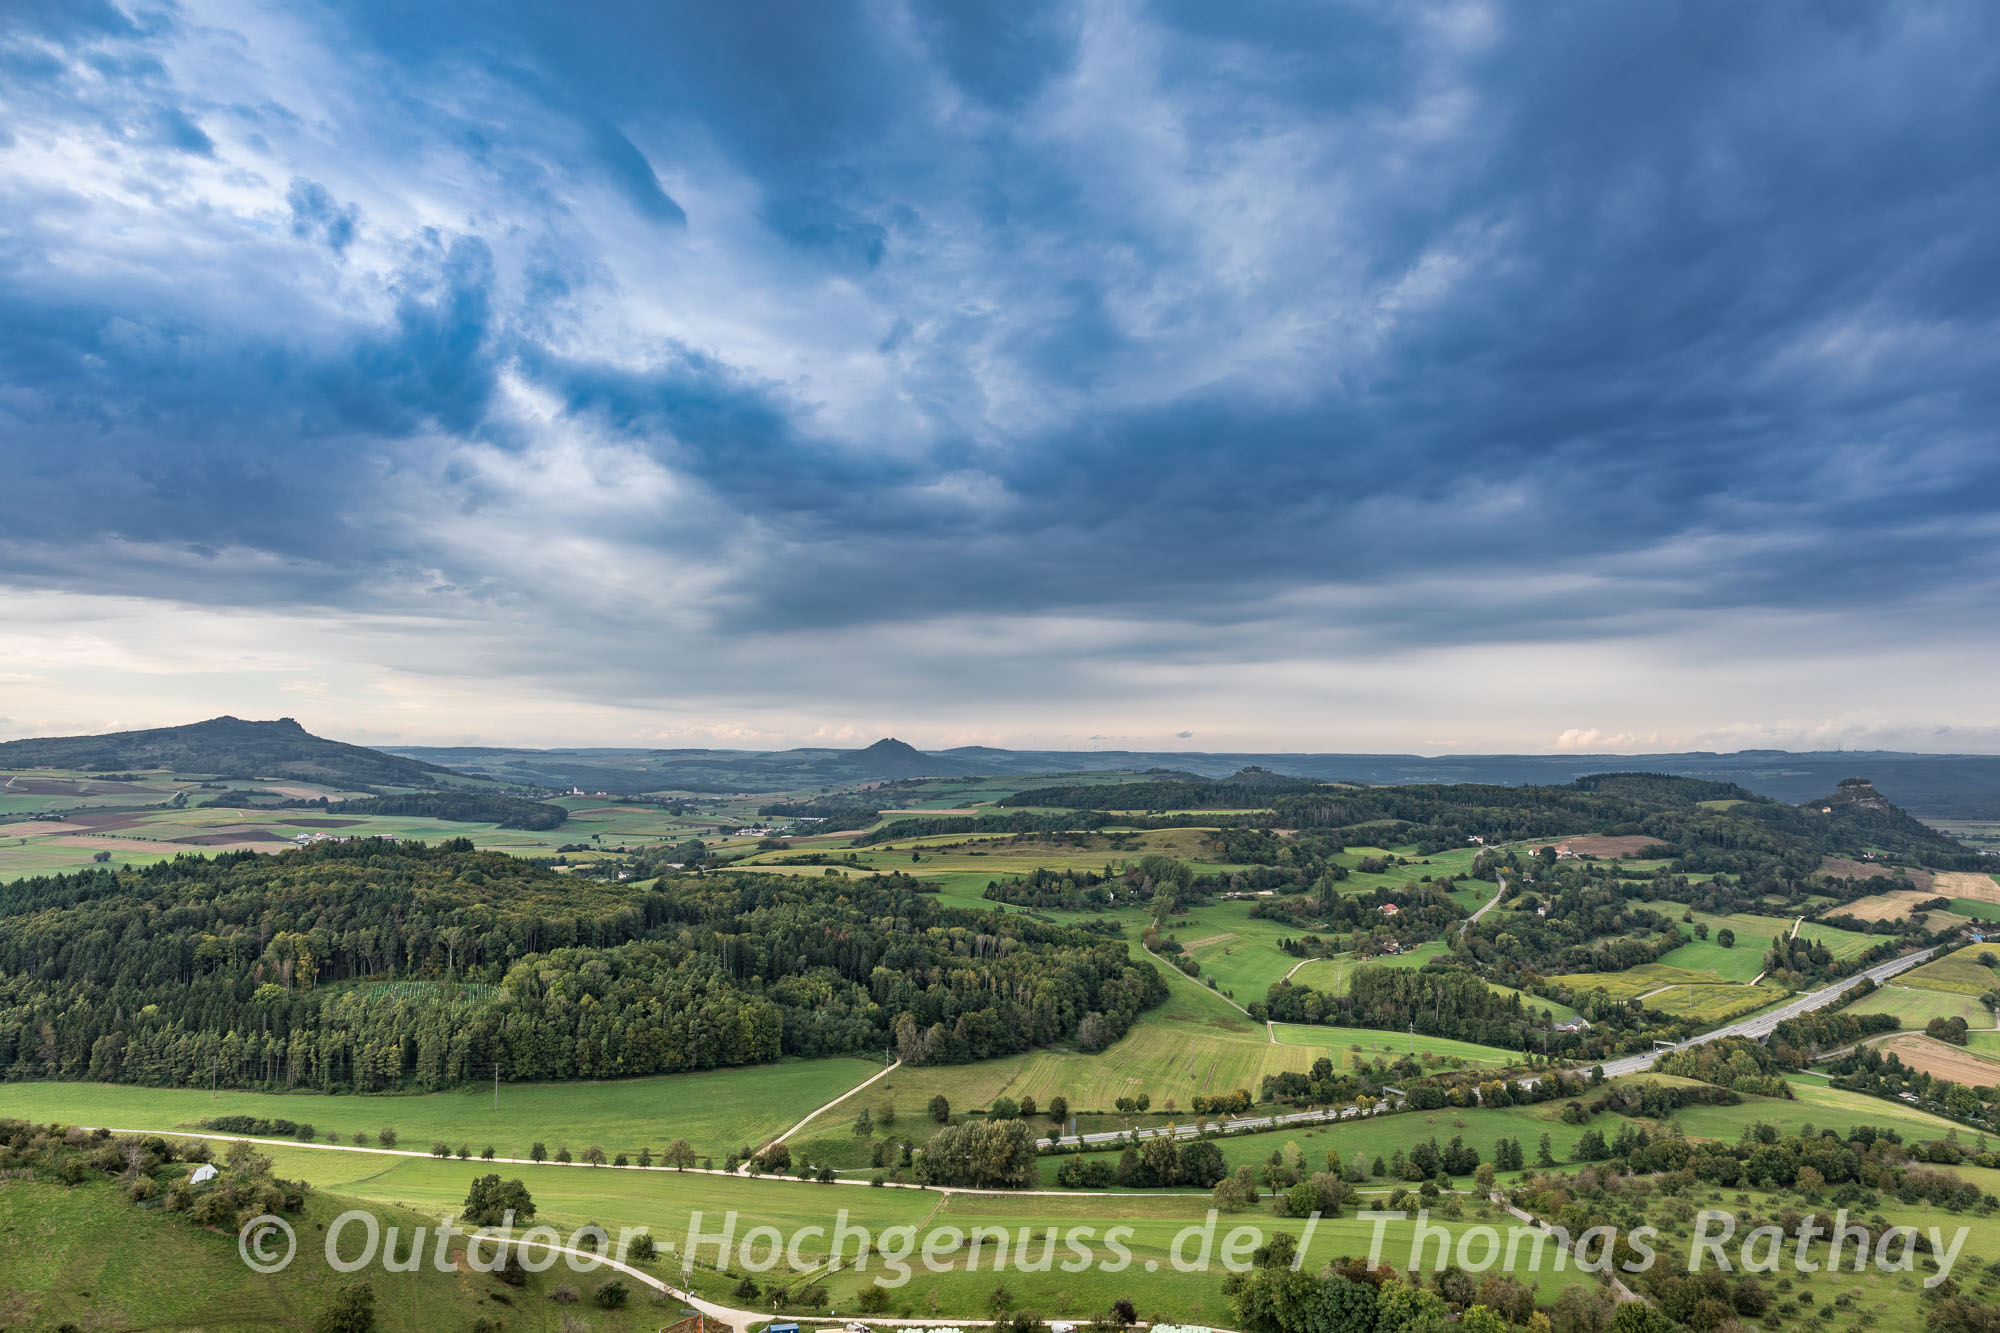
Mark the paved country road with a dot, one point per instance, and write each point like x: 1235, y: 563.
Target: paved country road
x: 1486, y: 906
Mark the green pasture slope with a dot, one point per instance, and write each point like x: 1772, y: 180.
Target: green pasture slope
x: 1240, y: 951
x: 1331, y: 975
x: 717, y: 1111
x: 1348, y: 1046
x: 85, y: 1257
x: 1957, y: 973
x: 665, y: 1202
x: 1753, y: 936
x: 1558, y: 1012
x: 1915, y: 1007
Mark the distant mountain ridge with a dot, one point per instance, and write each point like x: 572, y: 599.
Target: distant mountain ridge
x: 1936, y: 786
x: 228, y: 747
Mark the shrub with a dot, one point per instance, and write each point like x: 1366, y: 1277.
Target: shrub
x: 352, y: 1310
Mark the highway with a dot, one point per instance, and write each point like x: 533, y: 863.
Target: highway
x: 1757, y: 1026
x: 1760, y: 1025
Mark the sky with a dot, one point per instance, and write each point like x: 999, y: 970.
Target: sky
x: 1421, y: 378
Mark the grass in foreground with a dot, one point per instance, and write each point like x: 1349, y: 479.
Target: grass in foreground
x: 88, y: 1256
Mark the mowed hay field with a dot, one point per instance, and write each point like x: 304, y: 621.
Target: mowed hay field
x: 1167, y: 1062
x: 1614, y: 845
x: 1842, y: 944
x: 1958, y: 973
x: 1967, y: 884
x: 1895, y: 906
x: 1914, y: 1008
x: 1943, y: 1060
x: 1716, y: 1004
x: 1342, y: 1043
x: 1633, y: 981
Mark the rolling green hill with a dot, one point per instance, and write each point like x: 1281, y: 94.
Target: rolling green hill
x: 227, y: 747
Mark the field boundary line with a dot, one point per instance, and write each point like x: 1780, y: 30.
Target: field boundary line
x: 838, y: 1100
x: 1198, y: 985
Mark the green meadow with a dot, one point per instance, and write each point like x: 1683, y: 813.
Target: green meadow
x: 717, y: 1111
x: 1916, y: 1007
x: 85, y: 1257
x: 1350, y: 1045
x: 665, y: 1203
x: 1957, y: 973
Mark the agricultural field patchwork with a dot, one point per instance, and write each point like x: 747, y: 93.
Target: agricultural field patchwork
x: 1681, y: 992
x: 126, y: 827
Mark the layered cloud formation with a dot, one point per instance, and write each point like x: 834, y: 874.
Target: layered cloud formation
x: 1439, y: 377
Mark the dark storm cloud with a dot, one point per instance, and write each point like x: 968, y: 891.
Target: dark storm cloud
x: 1181, y: 310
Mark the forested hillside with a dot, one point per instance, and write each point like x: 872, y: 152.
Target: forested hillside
x: 371, y: 965
x: 462, y: 807
x: 1251, y: 786
x: 1711, y: 826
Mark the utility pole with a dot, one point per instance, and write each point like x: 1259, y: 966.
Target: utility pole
x: 1413, y: 1036
x: 496, y: 1085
